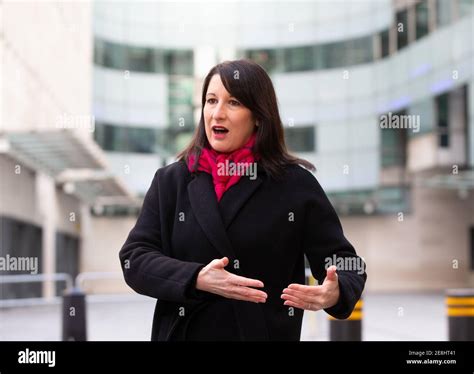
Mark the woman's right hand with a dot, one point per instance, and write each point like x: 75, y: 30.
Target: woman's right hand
x: 215, y: 279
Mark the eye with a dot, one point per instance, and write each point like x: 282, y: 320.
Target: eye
x: 234, y: 102
x: 210, y: 101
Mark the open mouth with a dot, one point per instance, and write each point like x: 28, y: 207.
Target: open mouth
x: 219, y: 130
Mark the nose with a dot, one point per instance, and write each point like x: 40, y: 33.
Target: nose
x: 219, y: 112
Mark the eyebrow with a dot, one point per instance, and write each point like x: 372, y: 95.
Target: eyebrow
x: 213, y: 94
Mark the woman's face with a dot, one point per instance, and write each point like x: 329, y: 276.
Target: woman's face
x: 228, y: 123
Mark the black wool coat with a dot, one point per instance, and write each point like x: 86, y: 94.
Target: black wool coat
x: 264, y: 226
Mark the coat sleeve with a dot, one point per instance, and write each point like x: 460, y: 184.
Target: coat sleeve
x: 147, y: 268
x: 324, y: 242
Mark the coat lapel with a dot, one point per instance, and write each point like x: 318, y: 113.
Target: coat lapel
x: 214, y: 219
x: 204, y: 204
x: 234, y: 199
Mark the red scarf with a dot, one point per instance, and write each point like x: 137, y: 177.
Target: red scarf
x: 212, y: 161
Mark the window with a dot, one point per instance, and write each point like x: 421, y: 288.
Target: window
x: 118, y: 138
x: 444, y: 12
x: 142, y: 59
x: 358, y: 51
x: 67, y: 258
x: 442, y: 111
x: 114, y: 56
x: 385, y: 46
x: 393, y: 199
x: 314, y: 57
x: 267, y: 58
x: 300, y: 139
x: 180, y: 103
x: 401, y: 28
x: 299, y: 59
x: 424, y: 110
x: 393, y: 144
x: 352, y: 202
x: 20, y: 239
x: 180, y: 62
x: 422, y: 19
x: 465, y: 7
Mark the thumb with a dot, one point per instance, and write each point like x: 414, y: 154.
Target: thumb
x: 331, y: 273
x: 224, y: 261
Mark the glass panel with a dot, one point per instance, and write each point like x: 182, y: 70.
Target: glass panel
x: 299, y: 59
x: 425, y: 110
x: 267, y: 58
x: 443, y: 12
x: 300, y: 139
x: 180, y: 104
x: 140, y: 59
x: 148, y: 60
x: 393, y: 199
x: 401, y: 28
x: 180, y: 62
x: 421, y: 10
x: 393, y: 143
x: 359, y: 51
x: 442, y: 110
x: 115, y: 56
x: 384, y: 39
x: 21, y: 239
x: 465, y: 7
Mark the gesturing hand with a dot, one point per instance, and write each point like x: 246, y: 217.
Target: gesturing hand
x: 215, y: 279
x: 314, y: 297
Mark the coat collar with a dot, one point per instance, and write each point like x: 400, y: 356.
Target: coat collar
x: 213, y: 217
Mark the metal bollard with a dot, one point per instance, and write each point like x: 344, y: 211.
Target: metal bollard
x: 349, y: 329
x: 74, y: 315
x: 460, y: 310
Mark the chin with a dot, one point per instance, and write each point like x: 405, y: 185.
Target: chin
x: 220, y: 148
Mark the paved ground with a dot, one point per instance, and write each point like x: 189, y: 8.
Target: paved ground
x: 128, y: 317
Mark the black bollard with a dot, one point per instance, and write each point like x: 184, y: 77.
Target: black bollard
x: 74, y: 315
x: 349, y: 329
x: 460, y: 309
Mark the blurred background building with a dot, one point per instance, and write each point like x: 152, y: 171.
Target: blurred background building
x: 98, y: 96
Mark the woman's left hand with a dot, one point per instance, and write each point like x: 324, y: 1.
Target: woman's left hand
x: 314, y: 297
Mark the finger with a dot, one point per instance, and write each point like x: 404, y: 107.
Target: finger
x: 331, y: 273
x: 297, y: 297
x: 243, y: 281
x: 307, y: 296
x: 294, y: 305
x: 294, y: 299
x: 300, y: 287
x: 309, y: 290
x: 247, y: 294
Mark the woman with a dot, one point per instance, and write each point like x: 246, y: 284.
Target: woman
x: 222, y: 234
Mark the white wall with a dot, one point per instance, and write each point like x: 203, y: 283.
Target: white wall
x: 136, y: 170
x: 133, y: 99
x: 47, y: 54
x: 245, y: 24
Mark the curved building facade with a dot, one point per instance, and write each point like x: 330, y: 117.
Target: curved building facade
x: 379, y: 95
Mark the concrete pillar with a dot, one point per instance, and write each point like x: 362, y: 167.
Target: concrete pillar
x: 47, y: 207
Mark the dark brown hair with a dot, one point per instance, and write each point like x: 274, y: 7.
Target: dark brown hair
x: 249, y: 83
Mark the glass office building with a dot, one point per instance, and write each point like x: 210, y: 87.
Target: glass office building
x: 379, y: 95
